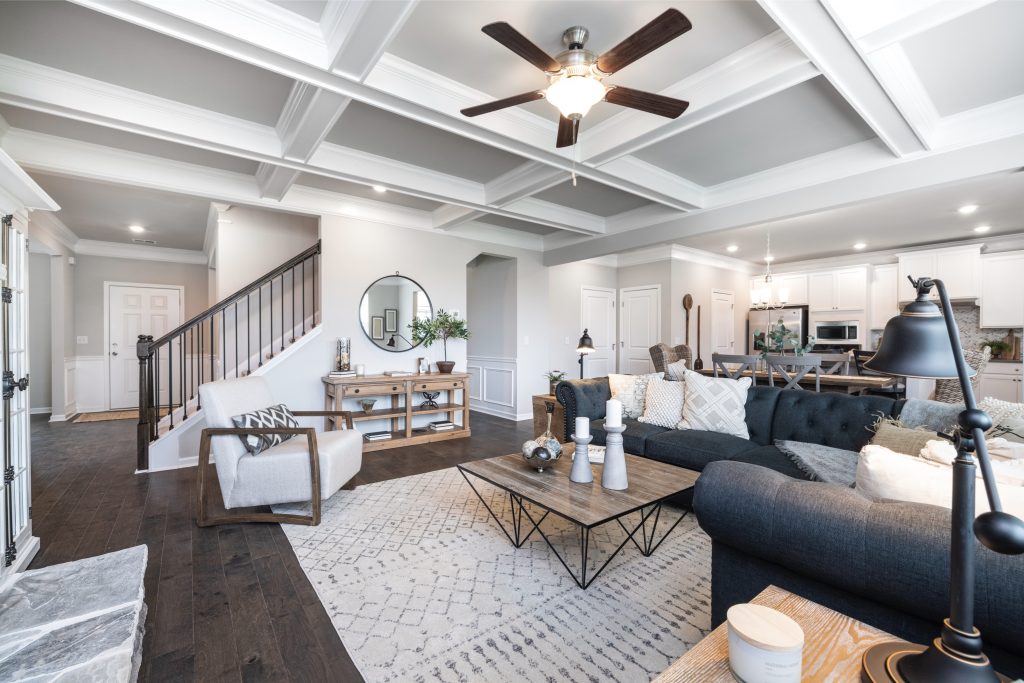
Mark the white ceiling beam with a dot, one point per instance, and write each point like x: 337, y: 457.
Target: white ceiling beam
x: 372, y: 93
x: 814, y: 31
x: 900, y: 175
x: 761, y: 69
x: 274, y: 181
x: 875, y: 25
x: 357, y: 32
x: 449, y: 216
x: 522, y: 181
x: 307, y: 117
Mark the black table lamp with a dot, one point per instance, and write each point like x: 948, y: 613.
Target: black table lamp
x: 924, y: 341
x: 585, y: 346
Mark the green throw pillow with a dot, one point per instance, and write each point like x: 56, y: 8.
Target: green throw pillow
x: 901, y: 439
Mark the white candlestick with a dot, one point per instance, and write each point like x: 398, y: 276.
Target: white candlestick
x: 582, y: 427
x: 613, y: 413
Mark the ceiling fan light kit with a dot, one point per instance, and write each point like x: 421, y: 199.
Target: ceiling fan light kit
x: 575, y: 76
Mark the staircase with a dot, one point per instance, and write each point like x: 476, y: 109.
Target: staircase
x: 233, y: 338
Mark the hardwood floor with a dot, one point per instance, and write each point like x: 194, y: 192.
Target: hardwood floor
x: 225, y: 603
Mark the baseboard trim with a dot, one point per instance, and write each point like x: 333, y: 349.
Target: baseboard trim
x: 42, y: 410
x: 183, y: 463
x: 494, y: 412
x: 58, y: 418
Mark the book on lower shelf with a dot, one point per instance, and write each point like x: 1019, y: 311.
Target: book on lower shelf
x: 441, y: 426
x: 377, y: 436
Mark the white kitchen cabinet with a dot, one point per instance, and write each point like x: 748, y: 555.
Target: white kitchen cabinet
x: 844, y: 289
x: 957, y: 267
x: 1002, y: 296
x: 1003, y: 381
x: 884, y: 305
x: 792, y: 284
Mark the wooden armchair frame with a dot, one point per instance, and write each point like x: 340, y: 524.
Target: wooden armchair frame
x: 203, y: 519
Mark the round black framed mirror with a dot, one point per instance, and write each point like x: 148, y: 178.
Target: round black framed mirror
x: 387, y: 309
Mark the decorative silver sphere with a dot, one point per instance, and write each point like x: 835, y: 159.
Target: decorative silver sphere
x: 541, y: 454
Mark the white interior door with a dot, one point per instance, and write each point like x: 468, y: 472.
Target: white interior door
x: 723, y: 322
x: 597, y: 316
x: 135, y: 310
x: 639, y: 328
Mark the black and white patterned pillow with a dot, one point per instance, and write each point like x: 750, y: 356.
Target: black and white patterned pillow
x: 274, y: 416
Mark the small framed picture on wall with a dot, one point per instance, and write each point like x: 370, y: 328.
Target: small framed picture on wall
x: 391, y: 320
x: 377, y: 327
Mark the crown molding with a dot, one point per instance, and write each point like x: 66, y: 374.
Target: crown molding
x: 706, y: 258
x: 495, y: 234
x: 47, y: 228
x: 139, y: 252
x: 22, y: 188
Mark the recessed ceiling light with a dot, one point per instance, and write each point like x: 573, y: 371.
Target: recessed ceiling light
x: 859, y: 245
x: 732, y: 248
x: 967, y: 209
x: 982, y: 228
x: 769, y: 258
x: 136, y: 228
x: 379, y: 188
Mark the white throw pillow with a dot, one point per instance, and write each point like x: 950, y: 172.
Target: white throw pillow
x: 715, y: 404
x: 1001, y: 411
x: 884, y: 474
x: 676, y: 371
x: 664, y: 403
x: 631, y: 390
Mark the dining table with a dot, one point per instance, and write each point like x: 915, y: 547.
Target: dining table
x: 844, y: 384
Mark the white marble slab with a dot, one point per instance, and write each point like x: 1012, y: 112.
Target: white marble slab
x: 79, y: 621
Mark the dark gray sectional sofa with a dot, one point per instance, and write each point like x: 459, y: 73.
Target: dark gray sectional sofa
x: 885, y: 563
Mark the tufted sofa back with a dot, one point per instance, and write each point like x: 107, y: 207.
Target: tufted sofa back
x: 829, y: 419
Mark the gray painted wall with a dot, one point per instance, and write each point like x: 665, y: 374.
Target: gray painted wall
x: 698, y: 280
x: 255, y: 242
x: 90, y: 272
x: 491, y: 306
x: 40, y: 367
x: 564, y: 285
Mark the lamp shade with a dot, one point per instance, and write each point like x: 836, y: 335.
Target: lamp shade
x: 586, y: 344
x: 916, y: 344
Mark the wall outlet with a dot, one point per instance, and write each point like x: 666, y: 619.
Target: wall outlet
x: 83, y: 340
x: 526, y: 340
x: 567, y: 341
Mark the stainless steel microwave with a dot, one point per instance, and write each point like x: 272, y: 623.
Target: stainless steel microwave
x: 837, y: 331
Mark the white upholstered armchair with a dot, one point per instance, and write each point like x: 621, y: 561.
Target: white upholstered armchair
x: 309, y: 466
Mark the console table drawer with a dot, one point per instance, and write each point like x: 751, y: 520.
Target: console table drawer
x: 437, y: 385
x: 375, y: 389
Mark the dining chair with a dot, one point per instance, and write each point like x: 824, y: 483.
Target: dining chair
x: 792, y: 369
x: 721, y: 361
x: 835, y: 363
x: 311, y: 466
x: 898, y: 390
x: 663, y: 355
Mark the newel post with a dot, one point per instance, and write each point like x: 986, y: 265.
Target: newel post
x: 144, y: 350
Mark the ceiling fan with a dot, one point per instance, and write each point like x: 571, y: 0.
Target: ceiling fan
x: 575, y: 76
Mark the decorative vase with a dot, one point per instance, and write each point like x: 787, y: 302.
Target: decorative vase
x: 367, y: 405
x: 545, y: 449
x: 343, y: 358
x: 551, y: 387
x: 445, y: 367
x: 582, y: 472
x: 613, y: 475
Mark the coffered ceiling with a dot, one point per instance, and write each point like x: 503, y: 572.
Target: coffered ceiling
x: 799, y: 108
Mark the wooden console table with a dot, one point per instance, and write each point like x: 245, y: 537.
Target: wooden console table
x: 833, y: 644
x: 399, y: 393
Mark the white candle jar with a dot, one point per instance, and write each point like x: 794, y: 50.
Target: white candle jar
x: 765, y: 646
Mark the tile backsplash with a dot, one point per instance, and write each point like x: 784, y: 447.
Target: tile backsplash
x: 971, y: 335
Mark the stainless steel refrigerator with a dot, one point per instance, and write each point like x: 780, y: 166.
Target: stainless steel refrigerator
x: 758, y: 322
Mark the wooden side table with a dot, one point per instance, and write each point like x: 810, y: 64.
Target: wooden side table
x: 540, y: 416
x: 833, y: 644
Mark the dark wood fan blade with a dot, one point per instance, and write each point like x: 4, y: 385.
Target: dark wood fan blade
x: 568, y: 131
x: 668, y: 25
x: 520, y: 44
x: 646, y: 101
x: 521, y: 98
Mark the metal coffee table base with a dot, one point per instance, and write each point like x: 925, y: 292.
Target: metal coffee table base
x: 646, y: 544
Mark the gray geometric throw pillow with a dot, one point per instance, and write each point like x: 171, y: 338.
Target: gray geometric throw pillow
x: 274, y: 416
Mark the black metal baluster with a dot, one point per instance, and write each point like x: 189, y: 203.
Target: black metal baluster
x: 313, y: 285
x: 282, y: 311
x: 303, y: 297
x: 292, y: 339
x: 170, y: 382
x: 259, y: 348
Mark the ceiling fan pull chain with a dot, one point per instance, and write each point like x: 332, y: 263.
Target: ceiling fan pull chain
x: 575, y: 153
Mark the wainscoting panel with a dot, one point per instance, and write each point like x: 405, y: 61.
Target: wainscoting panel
x: 89, y: 389
x: 492, y: 386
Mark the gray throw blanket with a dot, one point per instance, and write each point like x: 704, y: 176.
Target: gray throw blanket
x: 822, y: 463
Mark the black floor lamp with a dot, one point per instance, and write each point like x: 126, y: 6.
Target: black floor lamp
x: 923, y: 341
x: 585, y: 347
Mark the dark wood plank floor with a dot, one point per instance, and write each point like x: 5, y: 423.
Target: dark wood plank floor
x: 225, y: 603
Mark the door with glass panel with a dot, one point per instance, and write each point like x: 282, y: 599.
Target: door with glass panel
x: 15, y: 414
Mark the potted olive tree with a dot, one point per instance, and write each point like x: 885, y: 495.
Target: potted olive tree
x: 442, y: 327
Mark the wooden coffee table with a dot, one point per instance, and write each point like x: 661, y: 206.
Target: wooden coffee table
x: 585, y: 505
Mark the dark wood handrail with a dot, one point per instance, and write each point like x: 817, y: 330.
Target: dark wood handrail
x: 244, y: 291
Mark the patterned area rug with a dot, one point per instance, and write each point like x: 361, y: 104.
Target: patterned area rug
x: 423, y: 586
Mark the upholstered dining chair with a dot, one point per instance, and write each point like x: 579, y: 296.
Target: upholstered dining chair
x: 792, y: 369
x: 663, y: 355
x: 722, y: 361
x: 310, y: 466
